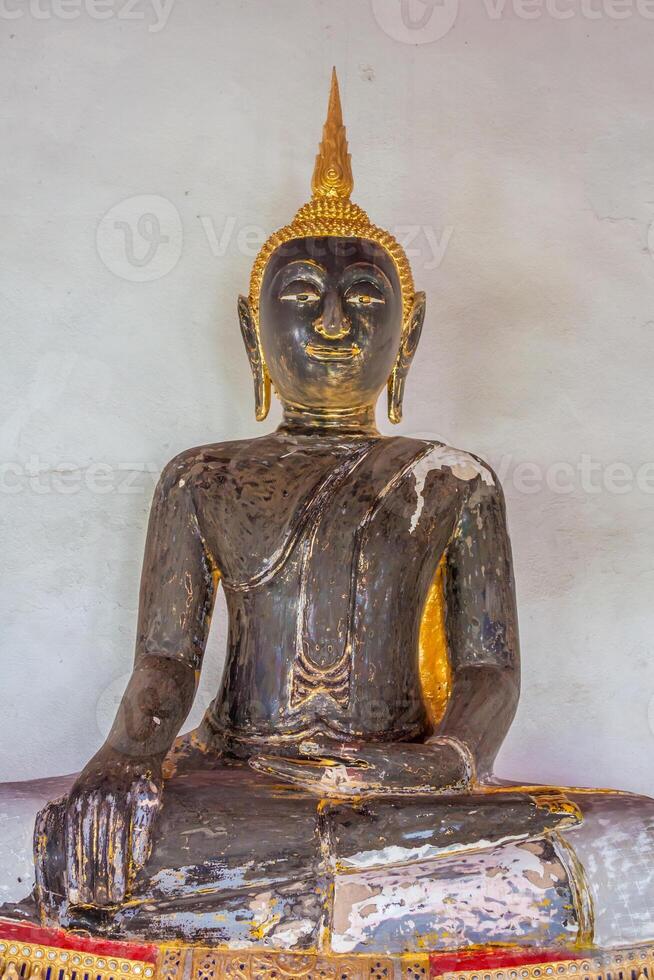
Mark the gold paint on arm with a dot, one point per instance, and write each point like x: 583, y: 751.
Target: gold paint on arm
x: 434, y: 660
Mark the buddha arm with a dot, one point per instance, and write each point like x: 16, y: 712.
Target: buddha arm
x: 108, y: 815
x: 481, y: 626
x: 177, y: 593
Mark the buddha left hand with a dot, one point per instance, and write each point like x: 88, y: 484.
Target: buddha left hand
x: 443, y: 765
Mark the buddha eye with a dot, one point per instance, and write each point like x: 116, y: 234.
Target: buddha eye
x: 300, y: 292
x: 361, y: 297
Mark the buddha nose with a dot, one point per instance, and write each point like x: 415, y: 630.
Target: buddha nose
x: 333, y: 322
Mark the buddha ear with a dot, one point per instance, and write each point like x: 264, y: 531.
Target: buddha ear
x: 255, y: 357
x: 408, y: 346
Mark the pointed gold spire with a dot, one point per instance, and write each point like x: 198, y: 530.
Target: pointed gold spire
x: 332, y: 175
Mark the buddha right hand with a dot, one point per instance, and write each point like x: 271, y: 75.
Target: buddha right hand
x: 108, y: 819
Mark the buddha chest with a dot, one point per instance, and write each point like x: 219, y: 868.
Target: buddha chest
x: 323, y: 630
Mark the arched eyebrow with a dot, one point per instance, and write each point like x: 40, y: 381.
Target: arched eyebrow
x: 366, y: 272
x: 300, y: 269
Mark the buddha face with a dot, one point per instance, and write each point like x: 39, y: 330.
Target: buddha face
x: 330, y: 322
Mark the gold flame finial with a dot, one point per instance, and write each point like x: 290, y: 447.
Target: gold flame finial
x: 332, y: 175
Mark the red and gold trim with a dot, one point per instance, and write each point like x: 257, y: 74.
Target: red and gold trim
x: 28, y: 952
x: 555, y: 964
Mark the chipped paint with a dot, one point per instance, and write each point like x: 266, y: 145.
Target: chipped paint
x: 462, y: 465
x: 395, y: 855
x: 512, y: 893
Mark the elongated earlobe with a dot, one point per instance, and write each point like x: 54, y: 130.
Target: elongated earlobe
x: 255, y: 357
x: 408, y: 345
x: 395, y: 389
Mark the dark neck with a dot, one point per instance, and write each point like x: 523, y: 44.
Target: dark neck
x: 359, y: 421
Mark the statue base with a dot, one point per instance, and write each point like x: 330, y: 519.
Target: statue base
x: 29, y: 952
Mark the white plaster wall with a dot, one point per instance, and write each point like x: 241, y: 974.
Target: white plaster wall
x: 520, y: 138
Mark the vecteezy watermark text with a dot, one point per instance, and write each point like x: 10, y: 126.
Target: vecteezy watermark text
x: 155, y: 13
x: 567, y: 9
x: 584, y: 475
x: 67, y: 478
x: 426, y: 21
x: 141, y: 238
x: 422, y: 243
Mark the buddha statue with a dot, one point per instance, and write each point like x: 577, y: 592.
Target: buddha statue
x: 338, y: 798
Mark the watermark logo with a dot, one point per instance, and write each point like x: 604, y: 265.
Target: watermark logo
x: 425, y: 21
x: 425, y: 245
x: 42, y: 478
x: 584, y: 476
x: 154, y: 13
x: 416, y: 21
x: 567, y: 9
x: 141, y: 238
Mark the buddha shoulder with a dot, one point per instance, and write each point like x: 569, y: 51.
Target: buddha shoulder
x: 446, y: 485
x: 247, y: 456
x: 214, y: 464
x: 265, y: 461
x: 466, y: 468
x: 245, y: 482
x: 186, y: 467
